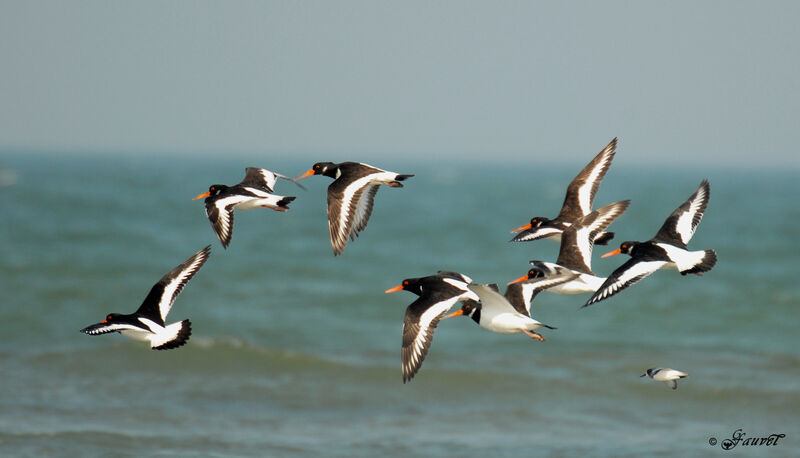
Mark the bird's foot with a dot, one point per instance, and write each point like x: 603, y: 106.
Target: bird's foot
x: 534, y: 335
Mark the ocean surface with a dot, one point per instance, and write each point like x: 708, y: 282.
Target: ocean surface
x: 295, y: 352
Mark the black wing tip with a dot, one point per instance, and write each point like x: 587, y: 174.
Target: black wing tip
x: 400, y: 177
x: 88, y: 330
x: 225, y: 241
x: 620, y: 205
x: 611, y: 148
x: 181, y: 339
x: 707, y: 263
x: 705, y: 186
x: 592, y: 300
x: 604, y: 238
x: 285, y: 201
x: 525, y: 236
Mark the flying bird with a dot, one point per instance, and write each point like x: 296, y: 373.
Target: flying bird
x: 148, y: 322
x: 351, y: 196
x: 666, y: 375
x: 437, y: 294
x: 577, y: 202
x: 255, y: 191
x: 496, y: 313
x: 575, y: 255
x: 666, y: 250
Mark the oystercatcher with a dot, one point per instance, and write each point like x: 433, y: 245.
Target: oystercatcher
x: 437, y: 294
x: 350, y: 196
x: 575, y: 256
x: 666, y: 250
x: 148, y: 323
x: 496, y: 313
x: 255, y: 191
x: 577, y: 203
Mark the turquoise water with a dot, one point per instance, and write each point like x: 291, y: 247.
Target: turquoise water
x: 297, y: 353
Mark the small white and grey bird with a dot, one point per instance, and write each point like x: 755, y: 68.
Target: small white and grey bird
x: 575, y: 254
x: 577, y: 203
x: 148, y: 323
x: 437, y: 294
x: 496, y: 313
x: 667, y: 249
x: 351, y: 196
x: 666, y: 375
x: 254, y: 191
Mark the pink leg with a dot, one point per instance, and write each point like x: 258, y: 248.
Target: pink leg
x: 534, y: 335
x: 279, y: 209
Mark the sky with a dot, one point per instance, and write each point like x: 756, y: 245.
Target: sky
x: 679, y: 83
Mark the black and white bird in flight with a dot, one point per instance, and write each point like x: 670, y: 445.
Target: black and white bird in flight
x: 666, y: 250
x: 148, y: 322
x: 503, y: 314
x: 575, y: 255
x: 255, y: 191
x: 666, y: 375
x: 351, y: 196
x: 437, y: 294
x: 577, y: 203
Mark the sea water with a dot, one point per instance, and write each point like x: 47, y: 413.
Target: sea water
x: 295, y: 352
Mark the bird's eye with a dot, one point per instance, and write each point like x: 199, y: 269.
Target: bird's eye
x: 405, y: 283
x: 108, y: 317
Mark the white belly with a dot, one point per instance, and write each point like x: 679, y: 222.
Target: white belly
x: 137, y: 335
x: 509, y: 323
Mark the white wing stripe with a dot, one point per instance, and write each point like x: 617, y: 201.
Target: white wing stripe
x: 170, y: 289
x: 425, y: 321
x: 347, y: 197
x: 642, y: 269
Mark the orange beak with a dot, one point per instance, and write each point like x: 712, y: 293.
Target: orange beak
x: 205, y: 194
x: 306, y: 174
x: 104, y: 321
x: 522, y: 278
x: 612, y: 253
x: 458, y: 312
x: 395, y: 289
x: 522, y: 228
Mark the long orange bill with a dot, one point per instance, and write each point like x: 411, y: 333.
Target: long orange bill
x: 612, y: 253
x: 205, y: 194
x: 456, y: 313
x: 522, y: 278
x: 305, y: 175
x: 522, y: 228
x: 395, y: 289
